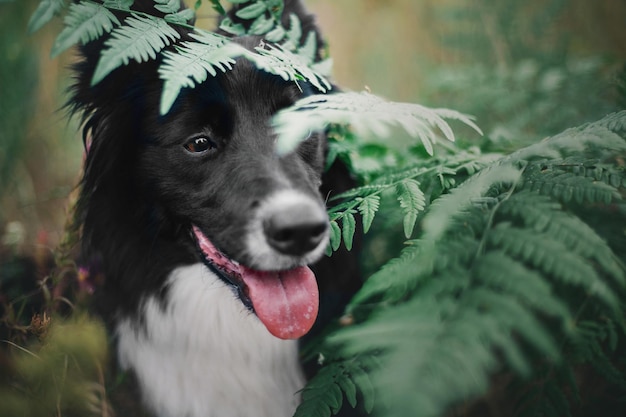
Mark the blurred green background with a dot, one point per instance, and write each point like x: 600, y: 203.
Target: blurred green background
x: 525, y: 69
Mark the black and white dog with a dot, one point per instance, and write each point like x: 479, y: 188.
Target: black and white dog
x: 203, y: 234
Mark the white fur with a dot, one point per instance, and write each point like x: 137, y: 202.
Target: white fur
x: 263, y: 256
x: 203, y: 354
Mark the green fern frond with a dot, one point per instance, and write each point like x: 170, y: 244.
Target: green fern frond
x: 193, y: 62
x: 252, y: 11
x: 118, y: 4
x: 593, y: 342
x: 366, y: 113
x: 348, y: 228
x: 84, y: 22
x: 493, y: 261
x: 324, y: 395
x: 593, y: 140
x: 263, y: 16
x: 287, y: 65
x: 167, y: 6
x: 445, y: 209
x: 368, y: 207
x: 522, y: 282
x: 544, y: 215
x: 554, y: 258
x: 615, y: 122
x: 568, y: 186
x: 412, y: 201
x: 46, y: 10
x: 335, y: 235
x: 139, y: 38
x: 181, y: 17
x: 215, y: 4
x: 398, y: 277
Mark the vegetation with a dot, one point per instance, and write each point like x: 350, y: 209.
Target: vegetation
x: 495, y: 267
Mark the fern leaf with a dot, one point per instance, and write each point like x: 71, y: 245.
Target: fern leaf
x: 46, y: 10
x: 235, y: 29
x: 554, y: 258
x: 348, y: 229
x: 167, y: 6
x: 252, y: 11
x: 193, y: 63
x: 349, y: 389
x: 287, y: 65
x: 587, y: 139
x: 118, y: 4
x: 567, y: 186
x: 308, y: 49
x: 362, y: 191
x: 139, y: 38
x: 294, y: 33
x: 335, y: 235
x: 324, y: 394
x: 276, y: 35
x: 412, y: 202
x: 363, y: 380
x: 322, y: 397
x: 398, y: 276
x: 84, y: 22
x: 365, y: 113
x: 216, y: 5
x: 512, y: 316
x: 181, y: 17
x: 446, y: 208
x: 262, y: 25
x: 544, y: 215
x: 519, y: 281
x: 368, y: 208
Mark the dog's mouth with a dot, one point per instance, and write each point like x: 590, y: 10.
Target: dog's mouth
x: 285, y: 301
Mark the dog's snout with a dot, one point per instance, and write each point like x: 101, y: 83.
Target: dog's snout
x: 296, y: 229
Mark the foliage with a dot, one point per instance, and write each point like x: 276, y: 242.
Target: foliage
x: 510, y: 273
x: 365, y: 112
x: 142, y: 37
x: 523, y: 77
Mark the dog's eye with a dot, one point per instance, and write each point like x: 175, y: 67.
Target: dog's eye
x: 200, y: 145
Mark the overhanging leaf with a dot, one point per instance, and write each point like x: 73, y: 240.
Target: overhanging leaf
x: 251, y: 11
x: 46, y: 10
x: 84, y: 22
x: 368, y: 208
x: 348, y: 229
x: 366, y: 114
x: 139, y: 39
x: 412, y: 201
x: 194, y: 62
x: 167, y: 6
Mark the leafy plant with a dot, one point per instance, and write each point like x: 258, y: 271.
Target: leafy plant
x: 510, y: 273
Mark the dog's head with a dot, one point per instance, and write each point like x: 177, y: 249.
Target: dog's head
x: 206, y: 177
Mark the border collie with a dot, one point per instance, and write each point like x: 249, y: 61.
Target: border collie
x: 203, y: 234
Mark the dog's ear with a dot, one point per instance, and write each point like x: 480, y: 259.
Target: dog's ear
x: 292, y: 7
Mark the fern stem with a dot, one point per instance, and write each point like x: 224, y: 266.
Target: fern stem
x: 483, y: 241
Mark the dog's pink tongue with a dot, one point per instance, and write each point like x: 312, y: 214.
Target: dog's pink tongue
x: 286, y: 302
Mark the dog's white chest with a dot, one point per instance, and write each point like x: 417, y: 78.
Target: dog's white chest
x: 204, y: 354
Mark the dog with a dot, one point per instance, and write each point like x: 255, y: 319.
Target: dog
x: 203, y: 233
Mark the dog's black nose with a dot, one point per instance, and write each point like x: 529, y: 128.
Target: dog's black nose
x: 296, y: 229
